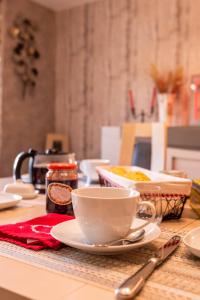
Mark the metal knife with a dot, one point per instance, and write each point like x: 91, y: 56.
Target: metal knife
x: 131, y: 286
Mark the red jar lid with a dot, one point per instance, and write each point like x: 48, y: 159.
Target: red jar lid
x: 62, y: 166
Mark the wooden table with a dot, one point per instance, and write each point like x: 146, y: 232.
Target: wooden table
x: 19, y: 280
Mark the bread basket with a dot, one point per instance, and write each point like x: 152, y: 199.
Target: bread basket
x: 174, y: 191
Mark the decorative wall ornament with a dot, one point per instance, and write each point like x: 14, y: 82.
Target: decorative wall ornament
x: 25, y: 53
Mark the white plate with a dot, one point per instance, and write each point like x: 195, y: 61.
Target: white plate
x: 70, y: 234
x: 192, y: 241
x: 8, y: 200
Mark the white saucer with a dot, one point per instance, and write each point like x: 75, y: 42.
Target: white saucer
x: 8, y: 200
x: 70, y: 234
x: 192, y: 241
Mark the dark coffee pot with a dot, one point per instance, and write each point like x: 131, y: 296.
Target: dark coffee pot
x: 37, y: 166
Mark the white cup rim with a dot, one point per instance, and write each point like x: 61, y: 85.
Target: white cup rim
x: 96, y: 160
x: 133, y: 193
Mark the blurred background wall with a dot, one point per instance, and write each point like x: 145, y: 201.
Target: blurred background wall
x: 25, y: 122
x: 106, y: 48
x: 91, y: 56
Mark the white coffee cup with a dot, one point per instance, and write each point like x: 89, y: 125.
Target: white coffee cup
x: 106, y: 214
x: 88, y: 167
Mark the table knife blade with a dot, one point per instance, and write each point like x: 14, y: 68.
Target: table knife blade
x: 131, y: 286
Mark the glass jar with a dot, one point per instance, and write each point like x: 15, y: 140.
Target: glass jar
x: 60, y: 180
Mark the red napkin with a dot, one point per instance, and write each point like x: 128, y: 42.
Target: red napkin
x: 35, y: 233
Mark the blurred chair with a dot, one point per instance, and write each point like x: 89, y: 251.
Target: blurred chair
x: 141, y: 156
x: 144, y: 145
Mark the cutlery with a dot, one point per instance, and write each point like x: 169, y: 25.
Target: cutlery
x: 131, y: 286
x: 129, y: 239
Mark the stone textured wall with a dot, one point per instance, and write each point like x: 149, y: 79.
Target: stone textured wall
x: 25, y: 122
x: 105, y: 48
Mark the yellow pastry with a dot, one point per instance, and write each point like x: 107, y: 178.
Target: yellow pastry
x: 133, y: 175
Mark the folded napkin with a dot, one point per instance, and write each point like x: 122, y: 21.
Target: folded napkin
x: 35, y: 233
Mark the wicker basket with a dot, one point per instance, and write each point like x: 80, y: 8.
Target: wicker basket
x: 173, y: 195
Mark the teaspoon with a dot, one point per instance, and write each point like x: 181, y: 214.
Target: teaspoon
x: 129, y: 239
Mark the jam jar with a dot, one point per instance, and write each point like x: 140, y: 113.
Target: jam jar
x: 61, y: 179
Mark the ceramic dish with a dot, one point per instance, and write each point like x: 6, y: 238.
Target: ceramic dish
x: 192, y: 241
x: 70, y: 234
x: 26, y: 190
x: 30, y: 195
x: 168, y: 184
x: 9, y: 200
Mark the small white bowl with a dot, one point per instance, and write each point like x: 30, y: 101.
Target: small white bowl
x: 192, y: 241
x: 26, y: 190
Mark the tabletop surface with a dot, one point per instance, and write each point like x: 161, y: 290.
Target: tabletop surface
x: 21, y: 280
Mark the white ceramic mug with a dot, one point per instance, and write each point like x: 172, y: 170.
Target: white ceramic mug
x: 106, y: 214
x: 88, y: 167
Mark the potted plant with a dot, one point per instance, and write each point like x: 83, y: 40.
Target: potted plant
x: 168, y: 85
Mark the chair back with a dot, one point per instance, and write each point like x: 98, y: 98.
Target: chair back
x: 158, y: 134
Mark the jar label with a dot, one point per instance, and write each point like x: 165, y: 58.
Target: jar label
x: 59, y: 193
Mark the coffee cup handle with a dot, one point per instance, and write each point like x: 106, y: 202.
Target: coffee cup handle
x: 152, y: 219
